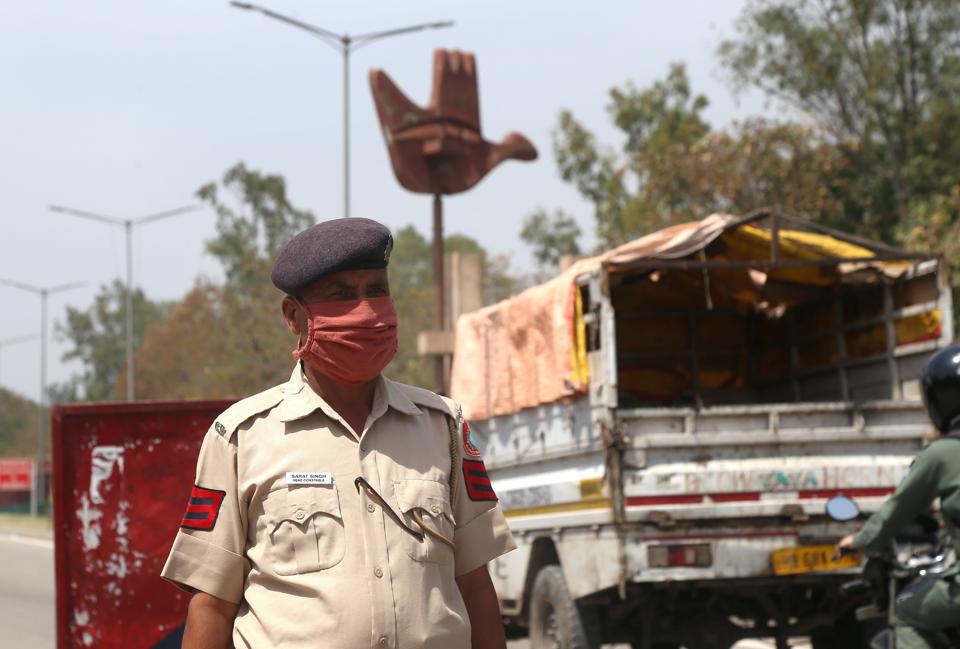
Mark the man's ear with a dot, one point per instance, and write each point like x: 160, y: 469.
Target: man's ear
x: 290, y: 308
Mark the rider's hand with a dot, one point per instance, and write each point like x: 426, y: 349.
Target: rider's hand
x: 844, y: 546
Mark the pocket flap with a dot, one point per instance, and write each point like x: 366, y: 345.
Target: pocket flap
x: 429, y: 495
x: 300, y: 503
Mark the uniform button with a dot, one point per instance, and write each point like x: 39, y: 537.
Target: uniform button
x: 299, y: 514
x: 371, y: 507
x: 383, y: 641
x: 378, y: 572
x: 435, y: 509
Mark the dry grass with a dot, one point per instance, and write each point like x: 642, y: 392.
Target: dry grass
x: 25, y: 524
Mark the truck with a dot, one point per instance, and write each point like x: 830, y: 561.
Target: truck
x: 663, y: 424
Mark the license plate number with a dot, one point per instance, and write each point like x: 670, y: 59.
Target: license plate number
x: 811, y: 558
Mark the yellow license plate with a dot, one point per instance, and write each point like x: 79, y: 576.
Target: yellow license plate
x: 811, y: 558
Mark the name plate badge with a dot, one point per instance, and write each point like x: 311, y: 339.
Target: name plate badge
x: 309, y: 477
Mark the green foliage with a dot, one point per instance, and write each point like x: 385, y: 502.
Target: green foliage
x: 18, y: 425
x: 551, y: 237
x: 218, y: 341
x: 657, y: 122
x: 230, y: 340
x: 934, y: 224
x: 411, y: 285
x: 660, y: 117
x: 254, y: 220
x: 499, y: 282
x: 881, y: 76
x: 672, y: 167
x: 96, y: 337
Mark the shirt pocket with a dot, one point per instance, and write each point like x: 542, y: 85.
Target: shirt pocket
x: 305, y: 529
x: 428, y: 501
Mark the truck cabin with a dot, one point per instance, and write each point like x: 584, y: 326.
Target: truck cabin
x: 770, y: 310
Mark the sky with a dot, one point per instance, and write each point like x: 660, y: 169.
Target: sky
x: 126, y: 107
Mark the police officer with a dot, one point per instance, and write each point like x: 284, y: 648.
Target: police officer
x: 934, y: 604
x: 340, y: 509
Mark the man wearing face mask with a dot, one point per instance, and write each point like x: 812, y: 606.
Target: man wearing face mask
x: 340, y: 509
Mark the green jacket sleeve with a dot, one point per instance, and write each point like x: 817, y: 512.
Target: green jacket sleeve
x: 914, y: 496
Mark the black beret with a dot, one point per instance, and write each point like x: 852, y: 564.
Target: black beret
x: 352, y: 243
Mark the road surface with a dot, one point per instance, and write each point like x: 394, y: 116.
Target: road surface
x: 27, y: 596
x: 26, y: 593
x: 744, y: 644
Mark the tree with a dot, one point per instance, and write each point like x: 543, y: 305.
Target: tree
x: 411, y: 285
x: 230, y: 340
x: 662, y: 119
x: 18, y: 425
x: 254, y: 220
x: 673, y: 167
x: 934, y: 224
x: 551, y: 237
x: 97, y: 339
x: 882, y: 77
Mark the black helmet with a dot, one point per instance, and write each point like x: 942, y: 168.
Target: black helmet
x: 940, y: 385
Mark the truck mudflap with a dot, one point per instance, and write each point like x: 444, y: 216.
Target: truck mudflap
x: 122, y: 475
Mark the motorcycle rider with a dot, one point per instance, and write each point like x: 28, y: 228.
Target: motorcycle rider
x: 933, y: 604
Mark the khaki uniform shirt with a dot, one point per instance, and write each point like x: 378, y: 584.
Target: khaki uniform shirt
x: 312, y: 561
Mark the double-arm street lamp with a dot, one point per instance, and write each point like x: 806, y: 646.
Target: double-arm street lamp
x: 345, y: 44
x: 127, y: 225
x: 44, y: 292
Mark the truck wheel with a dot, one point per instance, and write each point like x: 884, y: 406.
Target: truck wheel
x: 554, y: 617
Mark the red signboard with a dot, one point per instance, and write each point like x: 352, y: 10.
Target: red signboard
x: 122, y: 476
x: 15, y: 474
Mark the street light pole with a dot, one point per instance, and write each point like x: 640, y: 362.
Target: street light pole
x: 127, y: 225
x: 44, y: 293
x: 14, y: 341
x: 346, y: 129
x: 128, y: 312
x: 345, y: 44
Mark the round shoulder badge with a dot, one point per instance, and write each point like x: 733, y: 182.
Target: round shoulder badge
x: 468, y: 446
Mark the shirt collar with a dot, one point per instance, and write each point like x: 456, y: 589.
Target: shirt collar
x: 397, y: 398
x: 299, y: 399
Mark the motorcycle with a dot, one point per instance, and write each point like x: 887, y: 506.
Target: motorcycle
x: 918, y: 553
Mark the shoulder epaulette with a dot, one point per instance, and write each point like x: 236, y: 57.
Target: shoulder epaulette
x: 233, y: 417
x: 430, y: 399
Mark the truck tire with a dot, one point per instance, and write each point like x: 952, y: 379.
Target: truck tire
x: 555, y: 621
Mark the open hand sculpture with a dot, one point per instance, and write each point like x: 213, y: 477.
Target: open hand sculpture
x: 439, y: 149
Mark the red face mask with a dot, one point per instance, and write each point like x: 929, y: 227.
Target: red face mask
x: 351, y: 341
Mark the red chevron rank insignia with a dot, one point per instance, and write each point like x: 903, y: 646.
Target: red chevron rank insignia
x: 202, y: 508
x: 477, y: 482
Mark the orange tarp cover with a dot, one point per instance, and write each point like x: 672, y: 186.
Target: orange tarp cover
x: 529, y: 350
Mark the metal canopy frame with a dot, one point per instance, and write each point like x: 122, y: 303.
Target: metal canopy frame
x: 881, y: 251
x: 697, y: 260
